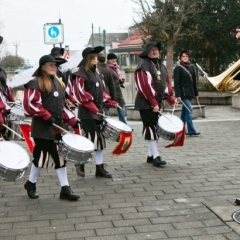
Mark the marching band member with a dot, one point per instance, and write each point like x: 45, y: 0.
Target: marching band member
x: 151, y: 81
x: 88, y: 89
x: 44, y: 100
x: 5, y: 96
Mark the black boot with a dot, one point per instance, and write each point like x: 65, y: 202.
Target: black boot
x: 150, y: 159
x: 31, y: 189
x: 80, y: 169
x: 102, y: 172
x: 158, y: 162
x: 67, y: 193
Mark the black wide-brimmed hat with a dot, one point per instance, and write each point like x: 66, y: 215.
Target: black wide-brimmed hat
x: 89, y: 50
x: 57, y: 50
x: 1, y: 39
x: 48, y: 58
x: 144, y: 54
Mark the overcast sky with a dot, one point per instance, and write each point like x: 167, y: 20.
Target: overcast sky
x: 23, y: 22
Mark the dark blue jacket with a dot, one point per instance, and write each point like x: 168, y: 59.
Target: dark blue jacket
x: 184, y: 85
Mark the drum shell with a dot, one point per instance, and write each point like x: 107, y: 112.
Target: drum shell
x: 165, y: 134
x: 11, y: 175
x: 113, y: 132
x: 72, y: 155
x: 14, y: 126
x: 109, y: 131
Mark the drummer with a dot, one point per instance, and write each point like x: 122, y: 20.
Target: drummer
x: 151, y: 78
x: 88, y: 88
x: 44, y: 100
x: 5, y: 96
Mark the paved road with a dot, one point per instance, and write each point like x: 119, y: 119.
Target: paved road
x: 192, y: 198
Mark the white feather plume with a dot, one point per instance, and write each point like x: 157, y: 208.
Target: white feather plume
x: 22, y: 78
x: 73, y: 61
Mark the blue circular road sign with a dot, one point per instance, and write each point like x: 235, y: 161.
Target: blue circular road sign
x: 53, y: 32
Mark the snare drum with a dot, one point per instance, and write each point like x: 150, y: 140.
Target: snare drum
x: 14, y: 160
x: 112, y: 129
x: 75, y: 148
x: 168, y: 126
x: 17, y: 113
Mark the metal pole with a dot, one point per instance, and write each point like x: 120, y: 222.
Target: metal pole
x: 92, y: 36
x: 104, y: 41
x: 60, y: 23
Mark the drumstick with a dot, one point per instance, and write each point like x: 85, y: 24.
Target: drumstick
x: 165, y: 117
x: 185, y: 105
x: 199, y: 105
x: 173, y: 108
x: 119, y: 106
x: 61, y: 128
x: 12, y: 131
x: 103, y: 115
x: 79, y: 127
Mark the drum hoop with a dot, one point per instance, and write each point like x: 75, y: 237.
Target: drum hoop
x: 77, y: 150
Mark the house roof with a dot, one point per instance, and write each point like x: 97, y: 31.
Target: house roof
x: 134, y: 39
x: 110, y: 37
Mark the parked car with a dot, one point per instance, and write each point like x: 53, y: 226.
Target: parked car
x: 22, y: 68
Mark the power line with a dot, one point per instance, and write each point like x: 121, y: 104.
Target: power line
x: 16, y: 46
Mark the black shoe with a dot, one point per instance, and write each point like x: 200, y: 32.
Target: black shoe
x: 31, y: 189
x: 67, y: 193
x: 102, y: 172
x: 80, y: 169
x: 193, y: 134
x: 150, y: 159
x: 158, y: 162
x: 237, y: 201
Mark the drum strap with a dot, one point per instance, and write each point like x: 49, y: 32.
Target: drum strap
x: 186, y: 71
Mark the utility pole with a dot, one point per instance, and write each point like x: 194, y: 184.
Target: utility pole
x: 92, y: 36
x: 104, y: 41
x: 16, y: 46
x: 99, y: 36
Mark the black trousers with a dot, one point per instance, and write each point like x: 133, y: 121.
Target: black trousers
x: 43, y: 150
x: 92, y: 128
x: 150, y: 121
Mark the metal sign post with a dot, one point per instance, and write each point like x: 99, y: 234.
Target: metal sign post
x: 53, y: 33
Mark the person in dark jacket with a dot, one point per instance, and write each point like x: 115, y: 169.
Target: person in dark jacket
x: 186, y: 89
x: 44, y: 100
x: 119, y: 81
x: 151, y: 81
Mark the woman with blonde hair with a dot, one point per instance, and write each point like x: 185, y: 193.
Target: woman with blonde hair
x: 44, y: 100
x: 89, y: 91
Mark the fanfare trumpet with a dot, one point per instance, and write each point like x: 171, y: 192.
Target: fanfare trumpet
x: 228, y: 81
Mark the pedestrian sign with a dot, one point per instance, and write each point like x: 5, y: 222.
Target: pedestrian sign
x: 53, y: 33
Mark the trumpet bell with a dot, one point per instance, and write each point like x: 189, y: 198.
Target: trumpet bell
x: 228, y: 81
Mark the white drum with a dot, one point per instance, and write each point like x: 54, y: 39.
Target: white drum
x: 14, y: 160
x: 112, y: 129
x: 75, y: 148
x: 17, y: 113
x: 168, y: 126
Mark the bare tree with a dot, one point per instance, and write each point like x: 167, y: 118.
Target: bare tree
x: 163, y: 20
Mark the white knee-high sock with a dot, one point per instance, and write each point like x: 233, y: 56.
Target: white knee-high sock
x: 62, y: 176
x: 34, y: 173
x: 153, y: 148
x: 149, y: 151
x: 99, y: 157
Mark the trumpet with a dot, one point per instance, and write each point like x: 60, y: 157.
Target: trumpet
x: 228, y: 81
